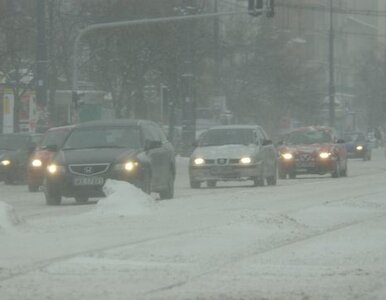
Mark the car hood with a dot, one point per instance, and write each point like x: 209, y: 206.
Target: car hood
x: 91, y: 156
x: 309, y: 149
x: 9, y: 154
x: 226, y: 151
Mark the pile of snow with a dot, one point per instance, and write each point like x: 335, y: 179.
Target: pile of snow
x: 123, y: 199
x: 8, y: 217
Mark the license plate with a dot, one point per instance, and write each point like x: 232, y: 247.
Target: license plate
x: 88, y: 180
x: 221, y: 170
x: 305, y: 164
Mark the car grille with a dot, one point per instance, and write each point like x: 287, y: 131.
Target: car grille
x: 88, y: 169
x: 222, y: 161
x: 304, y: 157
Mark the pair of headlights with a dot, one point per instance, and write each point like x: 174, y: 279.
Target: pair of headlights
x: 200, y: 161
x: 129, y: 166
x: 322, y: 155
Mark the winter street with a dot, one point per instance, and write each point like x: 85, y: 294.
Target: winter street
x: 308, y: 238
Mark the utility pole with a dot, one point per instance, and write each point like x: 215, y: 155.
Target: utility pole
x: 41, y: 55
x: 188, y: 99
x: 331, y: 89
x: 217, y: 55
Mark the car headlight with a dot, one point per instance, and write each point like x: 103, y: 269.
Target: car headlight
x: 37, y: 163
x: 5, y: 162
x: 324, y: 155
x: 54, y: 169
x: 198, y: 161
x: 359, y: 147
x: 287, y: 156
x: 245, y: 160
x: 128, y: 166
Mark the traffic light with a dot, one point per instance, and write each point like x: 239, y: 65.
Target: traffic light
x: 254, y: 6
x: 270, y: 8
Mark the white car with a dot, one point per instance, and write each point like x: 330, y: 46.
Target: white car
x: 233, y: 153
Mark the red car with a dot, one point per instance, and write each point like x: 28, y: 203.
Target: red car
x: 50, y: 143
x: 312, y: 150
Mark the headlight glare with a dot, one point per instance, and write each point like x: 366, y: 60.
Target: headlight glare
x: 245, y: 160
x: 324, y: 155
x: 287, y: 156
x: 359, y: 147
x: 130, y: 165
x: 199, y: 161
x: 52, y: 169
x: 36, y: 163
x: 6, y: 162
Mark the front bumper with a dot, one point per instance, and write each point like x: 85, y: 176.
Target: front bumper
x: 72, y: 185
x: 224, y: 172
x: 314, y: 166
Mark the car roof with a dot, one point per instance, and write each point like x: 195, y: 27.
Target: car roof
x: 236, y: 126
x: 312, y: 128
x: 65, y: 127
x: 115, y: 122
x: 22, y: 134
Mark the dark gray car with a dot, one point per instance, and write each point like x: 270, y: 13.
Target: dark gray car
x: 136, y: 151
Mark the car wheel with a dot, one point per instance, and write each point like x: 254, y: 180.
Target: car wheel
x: 282, y: 174
x: 211, y: 183
x: 168, y: 193
x: 52, y: 196
x: 195, y: 184
x: 8, y: 179
x: 33, y: 188
x: 145, y: 185
x: 258, y: 181
x: 81, y: 199
x: 292, y: 175
x: 337, y: 171
x: 272, y: 180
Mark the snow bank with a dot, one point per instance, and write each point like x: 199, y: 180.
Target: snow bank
x: 123, y: 199
x: 8, y: 217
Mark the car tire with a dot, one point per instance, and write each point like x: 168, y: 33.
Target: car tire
x: 211, y: 183
x: 145, y: 185
x: 272, y: 180
x: 9, y: 179
x: 33, y: 188
x: 195, y: 184
x: 168, y: 193
x: 52, y: 197
x: 258, y: 181
x: 337, y: 171
x: 292, y: 175
x: 282, y: 174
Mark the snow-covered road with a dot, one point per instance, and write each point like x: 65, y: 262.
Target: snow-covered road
x: 309, y: 238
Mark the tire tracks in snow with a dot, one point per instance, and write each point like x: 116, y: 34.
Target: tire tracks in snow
x: 286, y: 243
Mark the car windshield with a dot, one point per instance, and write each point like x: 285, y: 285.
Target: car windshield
x: 53, y: 137
x: 308, y: 137
x: 228, y: 136
x: 104, y: 137
x: 354, y: 137
x: 13, y: 142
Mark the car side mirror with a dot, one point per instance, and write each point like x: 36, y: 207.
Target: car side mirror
x: 52, y: 148
x: 149, y: 145
x: 267, y: 142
